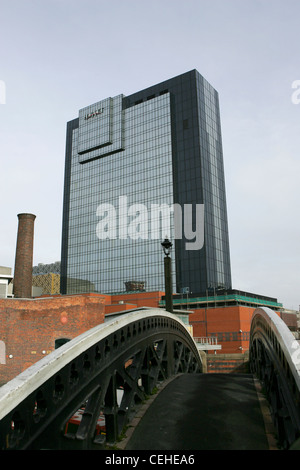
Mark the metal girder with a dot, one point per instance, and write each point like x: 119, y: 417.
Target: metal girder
x: 106, y: 372
x: 274, y: 358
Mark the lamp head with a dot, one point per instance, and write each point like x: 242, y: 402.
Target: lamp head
x: 167, y: 246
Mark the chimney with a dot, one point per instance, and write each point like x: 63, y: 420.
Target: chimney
x: 24, y: 257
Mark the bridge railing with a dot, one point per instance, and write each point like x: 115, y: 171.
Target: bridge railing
x: 103, y: 374
x: 274, y: 356
x: 211, y: 340
x: 208, y: 343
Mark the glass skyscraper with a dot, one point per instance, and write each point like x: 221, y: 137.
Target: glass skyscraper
x: 132, y: 164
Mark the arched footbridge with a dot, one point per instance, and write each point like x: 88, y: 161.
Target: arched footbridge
x: 87, y: 392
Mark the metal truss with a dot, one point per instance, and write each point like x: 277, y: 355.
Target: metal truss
x: 274, y: 357
x: 106, y: 372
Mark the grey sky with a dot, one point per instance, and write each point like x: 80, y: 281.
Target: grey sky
x: 57, y: 56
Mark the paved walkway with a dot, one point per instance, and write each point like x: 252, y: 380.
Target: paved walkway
x: 203, y: 412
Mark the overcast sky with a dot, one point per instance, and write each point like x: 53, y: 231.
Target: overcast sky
x: 57, y: 56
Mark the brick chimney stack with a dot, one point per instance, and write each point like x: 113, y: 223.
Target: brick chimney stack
x: 24, y: 257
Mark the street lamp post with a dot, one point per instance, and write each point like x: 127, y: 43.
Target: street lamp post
x: 167, y: 246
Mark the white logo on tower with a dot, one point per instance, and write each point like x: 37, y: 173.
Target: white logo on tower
x: 2, y: 92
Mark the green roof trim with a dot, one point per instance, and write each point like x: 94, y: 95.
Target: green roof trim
x: 227, y: 298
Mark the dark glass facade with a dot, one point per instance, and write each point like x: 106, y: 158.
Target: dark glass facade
x: 128, y: 160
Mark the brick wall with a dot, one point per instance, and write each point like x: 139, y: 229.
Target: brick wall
x: 231, y: 325
x: 290, y: 319
x: 139, y: 299
x: 227, y: 363
x: 29, y: 327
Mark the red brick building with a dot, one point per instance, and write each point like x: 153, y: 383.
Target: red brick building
x: 32, y: 328
x: 230, y: 325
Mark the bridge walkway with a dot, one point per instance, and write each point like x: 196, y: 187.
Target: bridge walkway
x: 205, y: 412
